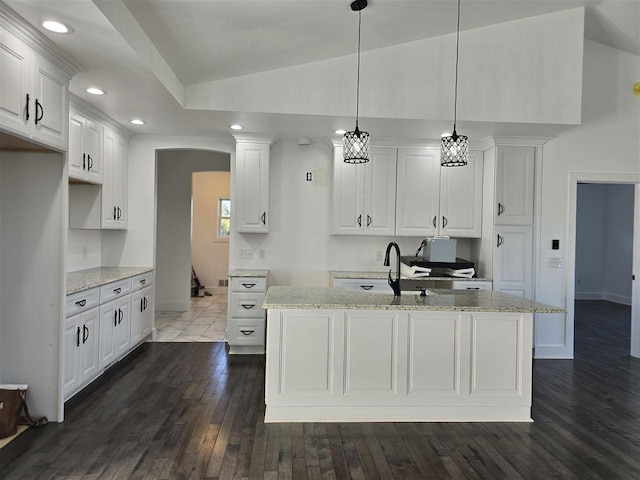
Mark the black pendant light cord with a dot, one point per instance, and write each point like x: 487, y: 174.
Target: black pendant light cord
x: 455, y: 97
x: 358, y: 81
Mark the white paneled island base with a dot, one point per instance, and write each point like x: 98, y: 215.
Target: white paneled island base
x: 351, y: 356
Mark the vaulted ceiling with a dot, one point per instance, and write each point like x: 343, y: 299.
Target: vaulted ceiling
x: 146, y: 52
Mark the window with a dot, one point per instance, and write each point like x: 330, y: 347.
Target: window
x: 224, y: 217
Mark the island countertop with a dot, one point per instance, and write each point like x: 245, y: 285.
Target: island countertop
x: 436, y: 300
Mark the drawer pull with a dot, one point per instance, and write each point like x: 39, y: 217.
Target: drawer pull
x: 248, y: 305
x: 247, y: 332
x: 366, y: 287
x: 472, y: 288
x: 117, y: 290
x: 248, y: 285
x: 143, y: 281
x: 81, y: 303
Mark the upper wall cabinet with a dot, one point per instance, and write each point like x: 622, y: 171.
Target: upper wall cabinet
x: 33, y: 93
x: 251, y: 192
x: 514, y: 185
x: 85, y: 148
x: 364, y: 195
x: 115, y: 181
x: 435, y: 200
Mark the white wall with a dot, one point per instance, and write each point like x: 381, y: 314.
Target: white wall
x: 605, y: 144
x: 83, y: 249
x: 619, y: 243
x: 173, y: 255
x: 209, y: 253
x: 590, y: 241
x: 509, y: 72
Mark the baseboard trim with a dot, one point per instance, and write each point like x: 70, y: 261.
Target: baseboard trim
x: 612, y: 297
x: 173, y: 307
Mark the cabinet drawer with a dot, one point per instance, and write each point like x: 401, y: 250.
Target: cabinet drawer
x: 81, y: 301
x: 248, y: 284
x: 113, y: 290
x: 472, y: 285
x: 246, y: 305
x: 246, y: 332
x: 140, y: 281
x: 375, y: 285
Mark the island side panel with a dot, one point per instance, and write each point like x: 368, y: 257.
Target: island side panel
x: 372, y: 365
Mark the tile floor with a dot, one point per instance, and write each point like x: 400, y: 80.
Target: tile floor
x: 206, y: 322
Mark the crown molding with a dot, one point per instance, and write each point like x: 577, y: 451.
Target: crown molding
x: 504, y: 141
x: 85, y: 108
x: 36, y: 40
x: 255, y: 138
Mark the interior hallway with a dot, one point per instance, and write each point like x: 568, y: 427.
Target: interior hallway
x: 189, y: 410
x: 206, y: 322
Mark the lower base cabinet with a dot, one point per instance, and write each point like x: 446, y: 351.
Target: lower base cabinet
x: 81, y: 352
x: 104, y: 324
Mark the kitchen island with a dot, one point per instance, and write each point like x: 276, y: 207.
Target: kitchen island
x: 453, y: 355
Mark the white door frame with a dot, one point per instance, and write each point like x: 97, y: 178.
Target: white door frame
x: 570, y: 272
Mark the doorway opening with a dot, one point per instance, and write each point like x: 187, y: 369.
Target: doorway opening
x: 603, y: 268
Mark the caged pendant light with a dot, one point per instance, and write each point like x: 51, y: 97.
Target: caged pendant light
x: 356, y: 143
x: 454, y: 150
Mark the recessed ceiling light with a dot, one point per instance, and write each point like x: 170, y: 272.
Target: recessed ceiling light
x: 95, y: 91
x: 236, y: 127
x: 340, y: 132
x: 56, y: 27
x: 136, y: 121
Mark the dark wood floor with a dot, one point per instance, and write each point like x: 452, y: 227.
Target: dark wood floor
x: 181, y: 411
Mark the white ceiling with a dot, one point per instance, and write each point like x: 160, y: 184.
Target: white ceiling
x: 204, y: 40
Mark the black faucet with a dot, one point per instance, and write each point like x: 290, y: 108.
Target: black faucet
x: 395, y: 284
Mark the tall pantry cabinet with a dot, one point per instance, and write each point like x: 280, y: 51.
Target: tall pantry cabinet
x: 506, y: 249
x: 34, y: 78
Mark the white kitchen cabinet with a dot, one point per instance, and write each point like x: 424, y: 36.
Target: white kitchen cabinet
x: 514, y: 185
x: 246, y: 318
x: 85, y: 148
x: 33, y: 94
x: 435, y: 200
x: 251, y: 194
x: 513, y: 260
x: 80, y: 350
x: 114, y: 330
x: 472, y: 285
x: 114, y: 185
x: 364, y: 194
x: 373, y: 285
x: 141, y: 303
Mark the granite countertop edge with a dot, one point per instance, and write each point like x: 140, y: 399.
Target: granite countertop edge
x: 336, y: 298
x: 81, y: 280
x: 248, y: 272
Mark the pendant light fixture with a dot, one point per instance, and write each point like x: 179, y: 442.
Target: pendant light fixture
x: 356, y: 143
x: 454, y: 151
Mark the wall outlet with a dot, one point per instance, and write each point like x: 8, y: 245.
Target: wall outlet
x: 262, y: 254
x: 379, y: 256
x: 246, y: 253
x: 555, y: 262
x: 84, y: 253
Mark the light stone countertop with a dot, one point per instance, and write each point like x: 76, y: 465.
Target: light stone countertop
x: 371, y: 275
x: 95, y: 277
x: 334, y: 298
x: 245, y: 272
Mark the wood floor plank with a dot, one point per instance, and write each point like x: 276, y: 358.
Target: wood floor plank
x: 173, y: 411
